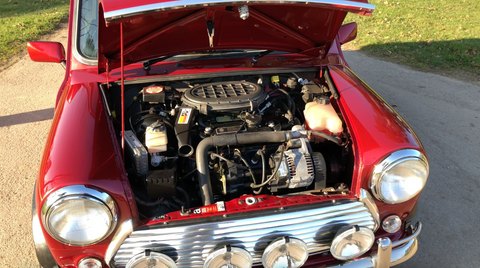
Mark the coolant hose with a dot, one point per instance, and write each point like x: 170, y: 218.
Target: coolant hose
x: 185, y: 195
x: 231, y: 139
x: 336, y: 140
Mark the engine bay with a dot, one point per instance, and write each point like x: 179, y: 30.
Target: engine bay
x: 194, y: 142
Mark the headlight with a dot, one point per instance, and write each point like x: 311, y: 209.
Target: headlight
x: 79, y: 216
x: 400, y: 176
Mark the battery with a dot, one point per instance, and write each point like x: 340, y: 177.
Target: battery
x: 138, y: 153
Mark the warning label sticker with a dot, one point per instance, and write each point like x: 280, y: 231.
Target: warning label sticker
x: 217, y: 207
x: 184, y: 116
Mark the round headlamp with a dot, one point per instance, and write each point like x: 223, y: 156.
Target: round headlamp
x: 285, y: 252
x: 351, y: 242
x: 400, y: 176
x: 229, y: 257
x: 78, y: 215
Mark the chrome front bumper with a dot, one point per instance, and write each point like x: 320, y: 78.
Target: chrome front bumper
x: 191, y: 242
x: 388, y: 254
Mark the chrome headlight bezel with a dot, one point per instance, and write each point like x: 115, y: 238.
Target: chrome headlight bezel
x: 387, y: 164
x: 76, y: 192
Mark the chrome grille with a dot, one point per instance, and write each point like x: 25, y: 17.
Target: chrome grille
x: 190, y: 244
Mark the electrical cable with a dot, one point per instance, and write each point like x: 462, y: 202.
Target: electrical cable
x: 238, y: 154
x: 277, y: 166
x: 227, y: 160
x: 262, y: 157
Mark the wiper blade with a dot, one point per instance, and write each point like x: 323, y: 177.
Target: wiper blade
x: 220, y: 51
x: 261, y: 54
x: 146, y: 65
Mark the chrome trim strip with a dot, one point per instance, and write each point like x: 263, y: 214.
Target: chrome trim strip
x: 171, y: 5
x: 123, y: 231
x: 367, y: 199
x: 190, y: 244
x: 75, y: 51
x: 75, y: 192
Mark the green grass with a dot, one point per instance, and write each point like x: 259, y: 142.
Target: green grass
x: 439, y: 35
x: 26, y: 20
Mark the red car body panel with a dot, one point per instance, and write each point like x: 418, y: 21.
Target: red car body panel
x: 46, y: 51
x: 115, y: 6
x: 82, y: 148
x: 80, y: 116
x: 300, y: 28
x: 376, y: 130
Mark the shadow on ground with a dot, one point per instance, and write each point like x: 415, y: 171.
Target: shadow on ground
x: 453, y: 55
x: 28, y: 117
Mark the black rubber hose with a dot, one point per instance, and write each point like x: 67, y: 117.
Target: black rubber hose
x: 185, y: 196
x: 148, y: 204
x: 336, y: 140
x: 291, y: 104
x: 233, y: 139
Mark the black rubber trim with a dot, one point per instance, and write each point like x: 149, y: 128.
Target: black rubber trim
x: 411, y: 216
x: 331, y: 85
x: 216, y: 74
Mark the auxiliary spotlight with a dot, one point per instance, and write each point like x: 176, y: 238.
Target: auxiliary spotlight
x: 229, y: 257
x: 285, y: 252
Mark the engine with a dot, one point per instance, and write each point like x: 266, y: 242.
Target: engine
x: 196, y: 142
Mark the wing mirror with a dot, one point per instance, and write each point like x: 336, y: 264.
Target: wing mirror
x: 347, y: 33
x: 46, y: 52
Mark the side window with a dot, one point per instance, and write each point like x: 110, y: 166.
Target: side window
x: 87, y: 28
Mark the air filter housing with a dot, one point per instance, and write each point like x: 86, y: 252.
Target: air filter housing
x: 225, y: 96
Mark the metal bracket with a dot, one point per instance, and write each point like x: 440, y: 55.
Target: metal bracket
x: 210, y: 25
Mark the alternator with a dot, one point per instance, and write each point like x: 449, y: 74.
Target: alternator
x: 299, y: 167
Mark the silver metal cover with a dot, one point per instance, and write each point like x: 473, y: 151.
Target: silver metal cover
x: 232, y: 95
x: 189, y: 243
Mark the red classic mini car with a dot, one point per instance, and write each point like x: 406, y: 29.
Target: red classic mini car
x: 220, y: 133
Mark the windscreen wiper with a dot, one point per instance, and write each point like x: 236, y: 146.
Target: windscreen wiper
x: 261, y: 54
x: 146, y: 65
